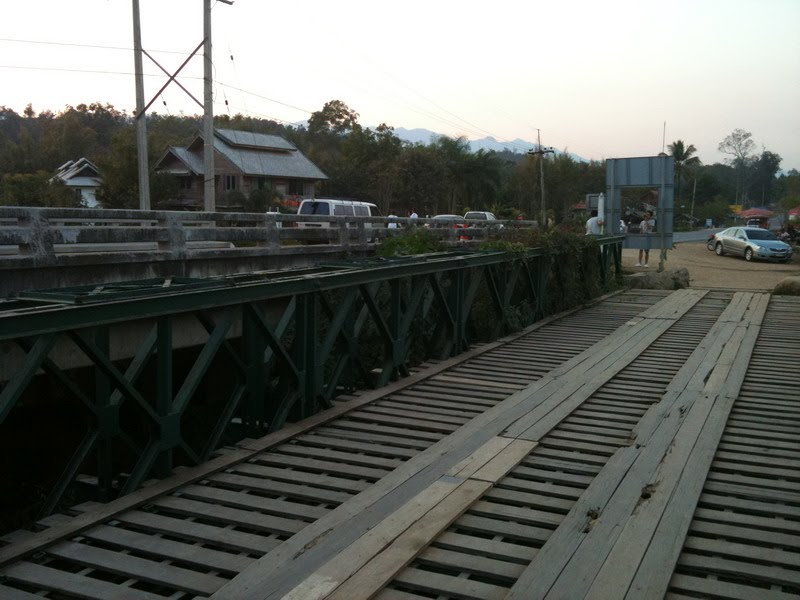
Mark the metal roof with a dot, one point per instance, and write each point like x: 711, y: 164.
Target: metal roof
x: 255, y: 154
x: 248, y: 139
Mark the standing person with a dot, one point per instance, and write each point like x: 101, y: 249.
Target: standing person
x: 646, y: 226
x: 392, y: 224
x: 593, y: 224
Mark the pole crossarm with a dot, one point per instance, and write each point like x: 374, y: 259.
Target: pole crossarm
x: 171, y: 78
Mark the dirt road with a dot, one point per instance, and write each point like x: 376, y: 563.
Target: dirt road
x: 707, y: 270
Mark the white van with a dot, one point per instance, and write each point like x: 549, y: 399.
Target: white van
x: 338, y: 208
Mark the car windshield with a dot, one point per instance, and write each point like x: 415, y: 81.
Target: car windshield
x: 760, y: 234
x: 315, y: 208
x: 475, y: 215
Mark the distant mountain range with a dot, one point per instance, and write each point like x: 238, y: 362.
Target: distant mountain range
x: 517, y: 146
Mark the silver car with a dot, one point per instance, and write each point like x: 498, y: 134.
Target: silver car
x: 752, y: 242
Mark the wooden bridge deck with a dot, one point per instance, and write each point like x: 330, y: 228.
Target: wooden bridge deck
x: 644, y: 447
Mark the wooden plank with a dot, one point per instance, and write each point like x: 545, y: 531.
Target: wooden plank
x: 351, y: 456
x: 468, y: 544
x: 381, y: 569
x: 458, y: 587
x: 753, y: 530
x: 747, y: 552
x: 480, y: 457
x: 518, y: 498
x: 412, y: 413
x: 508, y: 530
x: 329, y: 576
x: 517, y: 514
x: 315, y: 466
x: 240, y: 499
x: 470, y: 563
x: 715, y: 588
x: 303, y: 492
x: 193, y: 554
x: 508, y: 458
x: 224, y: 514
x: 349, y: 445
x: 10, y: 593
x: 312, y: 479
x: 218, y: 536
x: 738, y: 568
x: 141, y: 569
x: 91, y: 588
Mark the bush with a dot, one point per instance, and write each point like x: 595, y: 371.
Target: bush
x: 416, y: 240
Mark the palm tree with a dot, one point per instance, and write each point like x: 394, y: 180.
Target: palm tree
x: 684, y: 161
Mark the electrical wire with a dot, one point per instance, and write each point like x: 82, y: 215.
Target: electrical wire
x: 471, y: 127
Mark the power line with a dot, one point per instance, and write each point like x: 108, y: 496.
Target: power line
x: 77, y: 45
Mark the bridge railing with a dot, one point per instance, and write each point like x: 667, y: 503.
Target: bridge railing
x: 47, y: 232
x: 133, y: 378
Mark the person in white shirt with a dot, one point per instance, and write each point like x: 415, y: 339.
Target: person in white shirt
x: 392, y: 224
x: 594, y: 224
x: 646, y: 226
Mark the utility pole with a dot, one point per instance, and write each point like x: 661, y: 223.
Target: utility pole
x: 209, y: 202
x: 141, y: 119
x: 541, y: 152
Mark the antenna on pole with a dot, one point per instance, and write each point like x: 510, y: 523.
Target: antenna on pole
x: 664, y: 138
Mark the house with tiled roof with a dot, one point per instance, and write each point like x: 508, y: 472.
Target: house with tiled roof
x: 243, y: 162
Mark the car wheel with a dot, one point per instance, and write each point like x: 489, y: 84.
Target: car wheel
x: 718, y: 249
x: 748, y: 254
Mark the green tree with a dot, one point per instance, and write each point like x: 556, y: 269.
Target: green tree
x: 762, y: 181
x: 739, y: 145
x: 685, y: 162
x: 788, y: 190
x: 120, y: 187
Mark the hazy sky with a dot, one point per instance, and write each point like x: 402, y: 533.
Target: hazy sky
x: 598, y: 78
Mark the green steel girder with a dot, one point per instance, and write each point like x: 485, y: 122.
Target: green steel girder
x: 33, y: 360
x: 277, y: 368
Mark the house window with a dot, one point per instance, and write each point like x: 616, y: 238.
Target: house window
x: 262, y: 183
x: 186, y: 183
x: 296, y: 187
x: 230, y: 182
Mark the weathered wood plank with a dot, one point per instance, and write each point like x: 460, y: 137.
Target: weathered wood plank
x: 219, y: 536
x: 90, y: 588
x: 468, y: 544
x: 302, y: 492
x: 169, y: 549
x: 459, y: 587
x: 379, y: 571
x: 714, y: 588
x: 234, y: 516
x: 328, y: 577
x: 138, y: 568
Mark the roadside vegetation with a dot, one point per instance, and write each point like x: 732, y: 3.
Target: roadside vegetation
x: 442, y: 176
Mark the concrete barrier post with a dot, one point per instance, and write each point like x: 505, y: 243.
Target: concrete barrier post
x: 176, y: 235
x: 40, y: 237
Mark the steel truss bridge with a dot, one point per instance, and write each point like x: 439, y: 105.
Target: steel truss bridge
x: 160, y: 373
